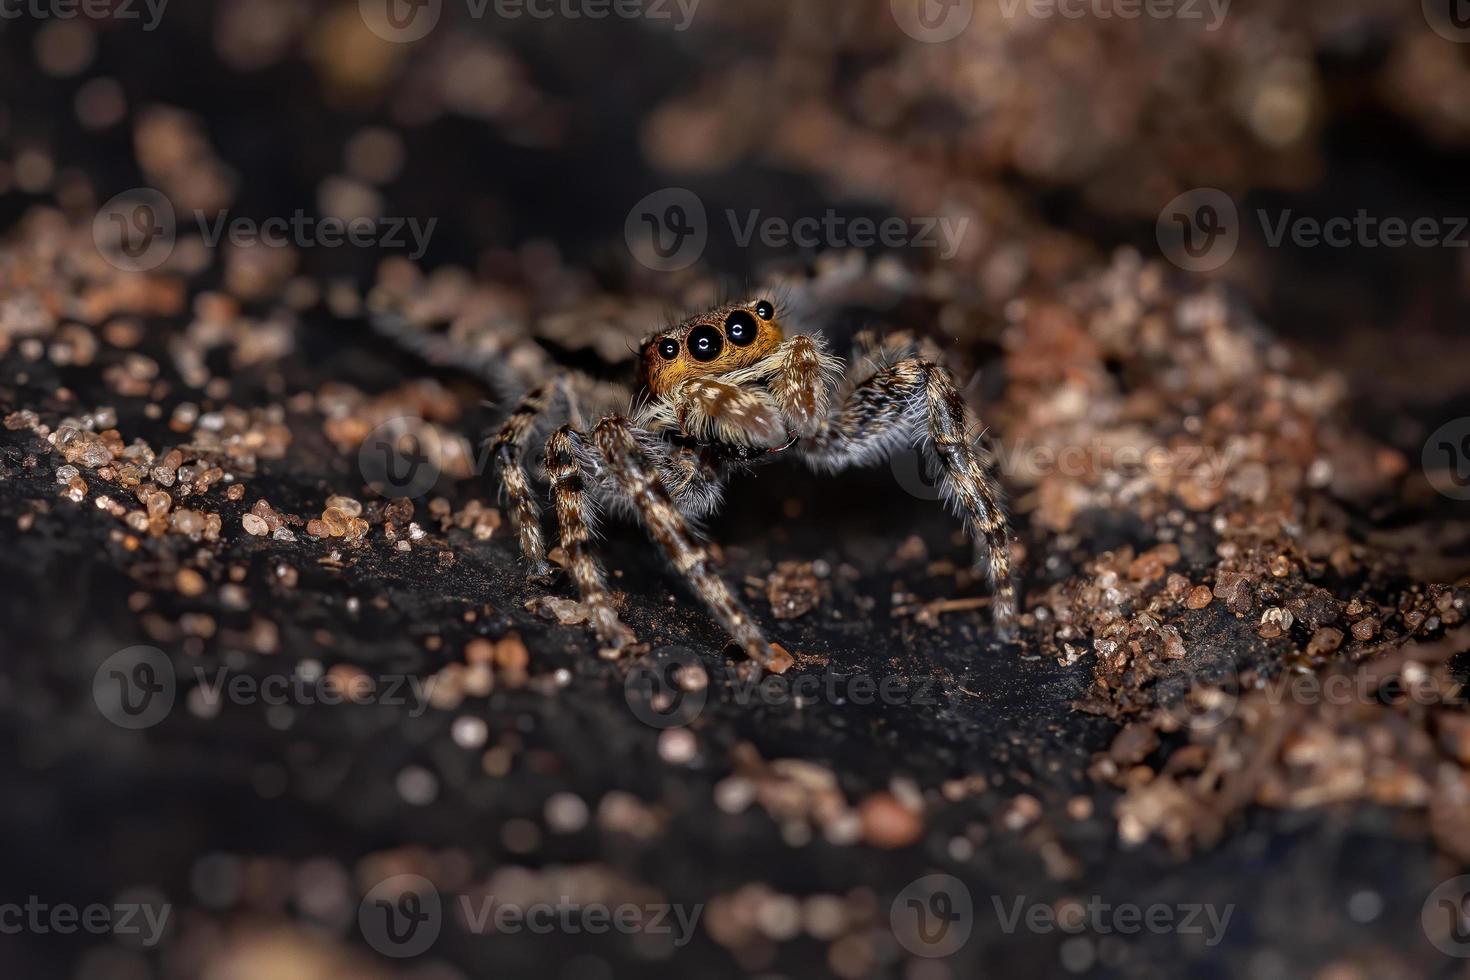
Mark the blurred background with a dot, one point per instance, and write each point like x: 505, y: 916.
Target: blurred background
x: 549, y: 180
x: 528, y: 135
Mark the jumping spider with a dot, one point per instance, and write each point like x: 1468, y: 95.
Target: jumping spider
x: 717, y: 394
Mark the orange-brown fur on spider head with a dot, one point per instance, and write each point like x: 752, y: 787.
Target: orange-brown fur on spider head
x: 659, y: 373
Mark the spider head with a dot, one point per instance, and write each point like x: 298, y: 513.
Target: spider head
x: 723, y: 340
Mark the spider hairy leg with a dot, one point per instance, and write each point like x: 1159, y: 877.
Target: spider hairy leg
x: 637, y: 478
x: 970, y: 488
x: 509, y: 453
x: 911, y: 399
x: 576, y: 516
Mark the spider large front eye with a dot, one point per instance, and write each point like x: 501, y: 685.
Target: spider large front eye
x: 668, y: 348
x: 741, y: 328
x: 705, y: 343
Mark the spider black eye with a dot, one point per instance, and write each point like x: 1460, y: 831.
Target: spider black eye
x: 705, y: 343
x: 668, y: 348
x: 741, y: 328
x: 765, y: 310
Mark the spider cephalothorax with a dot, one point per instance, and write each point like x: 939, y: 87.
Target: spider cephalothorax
x: 719, y: 342
x: 716, y: 394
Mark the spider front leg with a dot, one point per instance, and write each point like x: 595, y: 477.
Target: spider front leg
x: 911, y: 400
x: 568, y: 466
x: 509, y: 452
x: 638, y: 479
